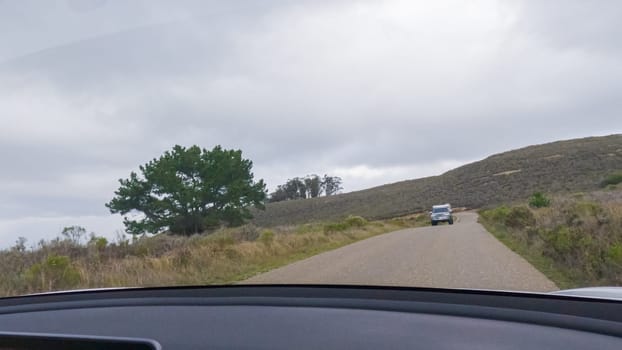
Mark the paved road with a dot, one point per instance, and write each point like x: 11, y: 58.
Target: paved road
x: 463, y: 255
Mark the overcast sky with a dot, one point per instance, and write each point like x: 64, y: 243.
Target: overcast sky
x: 372, y: 91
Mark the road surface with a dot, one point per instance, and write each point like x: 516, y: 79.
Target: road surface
x: 463, y: 255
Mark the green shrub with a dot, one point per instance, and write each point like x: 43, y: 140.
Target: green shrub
x: 539, y: 200
x: 355, y: 221
x: 266, y: 237
x: 497, y: 215
x: 614, y: 254
x: 612, y: 179
x: 578, y: 213
x: 559, y: 242
x: 99, y: 243
x: 304, y: 228
x: 335, y: 227
x: 519, y: 218
x: 55, y: 272
x: 586, y: 208
x: 350, y: 221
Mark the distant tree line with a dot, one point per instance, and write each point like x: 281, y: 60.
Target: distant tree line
x: 310, y: 186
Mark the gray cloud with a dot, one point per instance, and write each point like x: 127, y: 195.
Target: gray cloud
x: 573, y: 25
x: 374, y: 91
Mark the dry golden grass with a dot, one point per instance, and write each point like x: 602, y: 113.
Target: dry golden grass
x: 224, y: 257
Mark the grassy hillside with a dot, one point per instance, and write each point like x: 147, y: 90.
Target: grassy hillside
x: 558, y: 167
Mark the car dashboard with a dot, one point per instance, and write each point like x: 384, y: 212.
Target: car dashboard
x: 307, y: 317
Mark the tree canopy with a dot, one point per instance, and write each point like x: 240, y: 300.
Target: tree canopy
x: 189, y: 190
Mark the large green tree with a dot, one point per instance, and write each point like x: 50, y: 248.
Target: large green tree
x: 189, y: 190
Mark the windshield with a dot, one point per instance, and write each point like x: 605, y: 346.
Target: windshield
x: 158, y: 143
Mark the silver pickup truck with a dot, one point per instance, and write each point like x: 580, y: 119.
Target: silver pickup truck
x: 441, y: 213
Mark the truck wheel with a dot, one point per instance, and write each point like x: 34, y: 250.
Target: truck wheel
x: 451, y: 221
x: 434, y: 223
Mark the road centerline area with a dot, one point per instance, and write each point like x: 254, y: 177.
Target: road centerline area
x: 463, y: 255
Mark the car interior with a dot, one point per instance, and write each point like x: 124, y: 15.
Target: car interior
x: 307, y: 317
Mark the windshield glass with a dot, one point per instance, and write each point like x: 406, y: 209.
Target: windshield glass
x: 158, y: 143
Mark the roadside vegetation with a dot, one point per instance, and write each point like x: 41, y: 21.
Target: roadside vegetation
x: 576, y: 240
x: 79, y: 260
x: 612, y: 180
